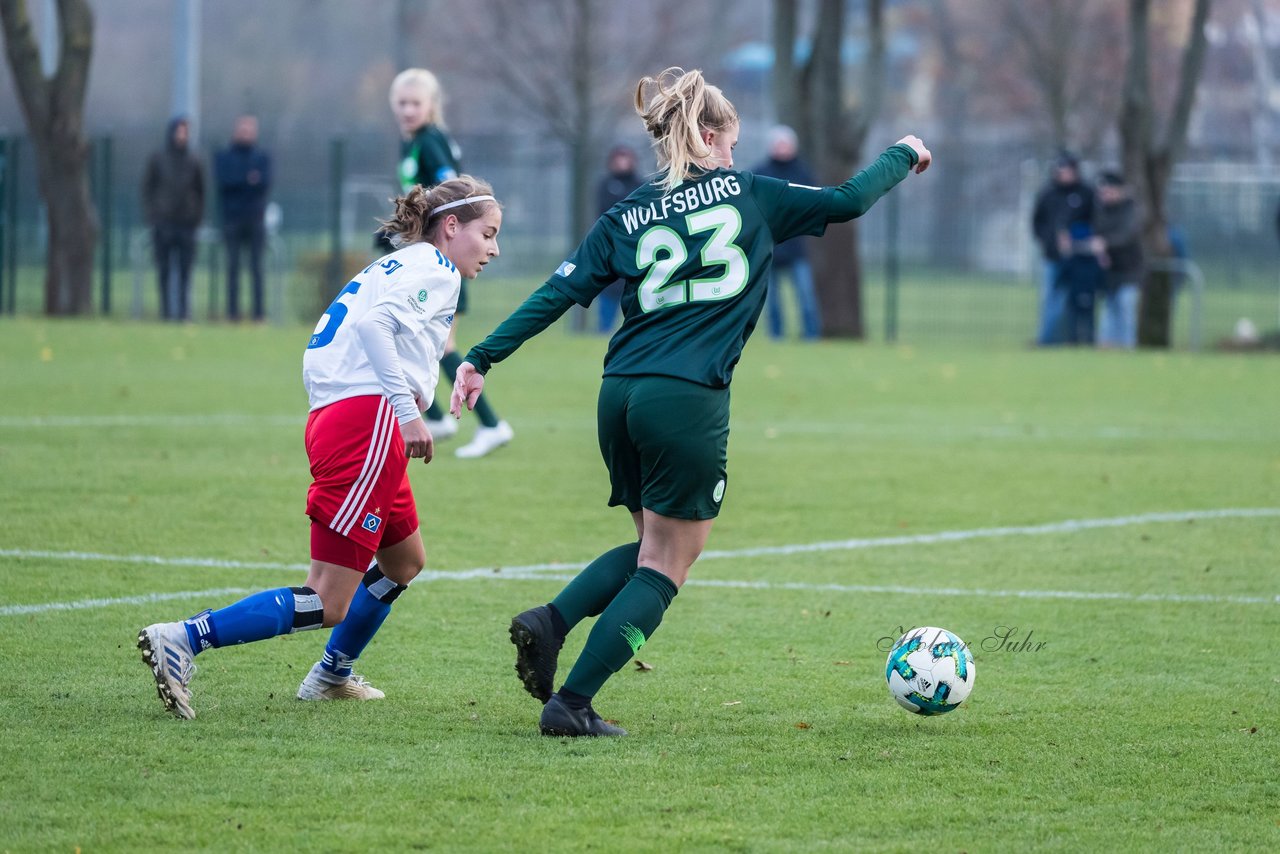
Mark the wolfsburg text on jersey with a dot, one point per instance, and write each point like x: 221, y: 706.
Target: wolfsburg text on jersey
x: 683, y: 199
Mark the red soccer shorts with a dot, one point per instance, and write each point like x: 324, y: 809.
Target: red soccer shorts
x: 360, y: 498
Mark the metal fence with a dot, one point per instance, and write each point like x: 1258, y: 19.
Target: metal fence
x: 961, y: 268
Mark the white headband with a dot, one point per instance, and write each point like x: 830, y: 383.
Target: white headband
x: 460, y: 202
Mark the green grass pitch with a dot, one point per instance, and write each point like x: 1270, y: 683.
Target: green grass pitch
x: 148, y: 471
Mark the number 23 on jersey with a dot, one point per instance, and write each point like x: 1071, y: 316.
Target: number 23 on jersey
x: 662, y: 251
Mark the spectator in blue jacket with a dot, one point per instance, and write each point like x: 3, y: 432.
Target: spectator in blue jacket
x: 790, y: 256
x: 243, y: 173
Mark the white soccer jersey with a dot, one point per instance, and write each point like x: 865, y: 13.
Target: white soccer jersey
x: 385, y: 332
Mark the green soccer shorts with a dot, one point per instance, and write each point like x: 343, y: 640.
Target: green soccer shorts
x: 665, y: 442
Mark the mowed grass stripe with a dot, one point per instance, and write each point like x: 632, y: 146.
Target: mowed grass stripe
x: 771, y: 428
x: 535, y: 571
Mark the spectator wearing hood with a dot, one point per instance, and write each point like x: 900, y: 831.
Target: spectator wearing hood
x: 243, y: 173
x: 790, y: 256
x: 1064, y: 204
x: 173, y: 203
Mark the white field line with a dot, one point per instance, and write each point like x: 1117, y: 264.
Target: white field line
x: 541, y: 571
x: 94, y: 604
x: 1070, y: 526
x: 1077, y: 595
x: 219, y: 563
x: 985, y: 594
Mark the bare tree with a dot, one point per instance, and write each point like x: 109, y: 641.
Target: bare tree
x: 571, y: 63
x: 54, y: 111
x: 1264, y: 115
x: 956, y: 78
x: 811, y: 97
x: 1152, y: 145
x: 410, y: 22
x: 1067, y: 49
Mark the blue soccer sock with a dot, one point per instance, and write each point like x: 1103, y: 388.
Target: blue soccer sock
x: 369, y: 607
x: 257, y: 617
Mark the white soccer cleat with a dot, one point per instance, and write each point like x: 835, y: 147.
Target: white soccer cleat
x: 444, y: 428
x: 166, y: 650
x: 319, y: 686
x: 487, y: 440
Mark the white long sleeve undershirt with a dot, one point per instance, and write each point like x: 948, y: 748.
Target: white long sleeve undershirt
x: 377, y: 331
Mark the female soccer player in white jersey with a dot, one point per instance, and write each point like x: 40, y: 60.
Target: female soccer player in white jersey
x: 370, y: 367
x: 693, y: 249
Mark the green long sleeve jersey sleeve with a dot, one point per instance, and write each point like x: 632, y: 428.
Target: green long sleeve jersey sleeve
x: 695, y: 263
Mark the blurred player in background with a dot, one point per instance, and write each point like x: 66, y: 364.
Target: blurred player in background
x: 693, y: 248
x: 428, y: 156
x: 371, y: 362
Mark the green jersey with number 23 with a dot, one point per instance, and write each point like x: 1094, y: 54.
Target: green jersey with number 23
x: 695, y: 263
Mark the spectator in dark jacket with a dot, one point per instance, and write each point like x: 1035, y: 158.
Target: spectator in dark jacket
x: 620, y: 180
x: 1065, y: 202
x: 1118, y: 222
x: 790, y: 255
x: 173, y: 202
x: 243, y: 173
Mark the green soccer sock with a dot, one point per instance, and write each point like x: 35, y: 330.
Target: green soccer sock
x: 594, y: 588
x: 485, y: 412
x: 630, y: 620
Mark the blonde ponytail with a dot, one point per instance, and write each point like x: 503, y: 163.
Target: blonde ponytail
x: 676, y: 107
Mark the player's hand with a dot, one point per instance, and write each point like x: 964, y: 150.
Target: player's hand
x: 923, y: 157
x: 417, y: 440
x: 467, y: 386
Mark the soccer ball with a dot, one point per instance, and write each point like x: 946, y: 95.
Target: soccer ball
x: 930, y: 671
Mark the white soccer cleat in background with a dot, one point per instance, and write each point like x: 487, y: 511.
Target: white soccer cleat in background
x: 444, y: 428
x: 487, y: 440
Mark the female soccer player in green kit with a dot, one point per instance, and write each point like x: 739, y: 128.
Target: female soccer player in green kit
x: 429, y: 156
x: 694, y: 249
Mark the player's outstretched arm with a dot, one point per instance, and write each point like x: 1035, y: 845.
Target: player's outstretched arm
x: 923, y: 157
x: 467, y: 385
x: 542, y: 308
x: 855, y: 197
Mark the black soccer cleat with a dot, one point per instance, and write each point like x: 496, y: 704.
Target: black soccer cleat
x: 560, y: 720
x: 537, y: 650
